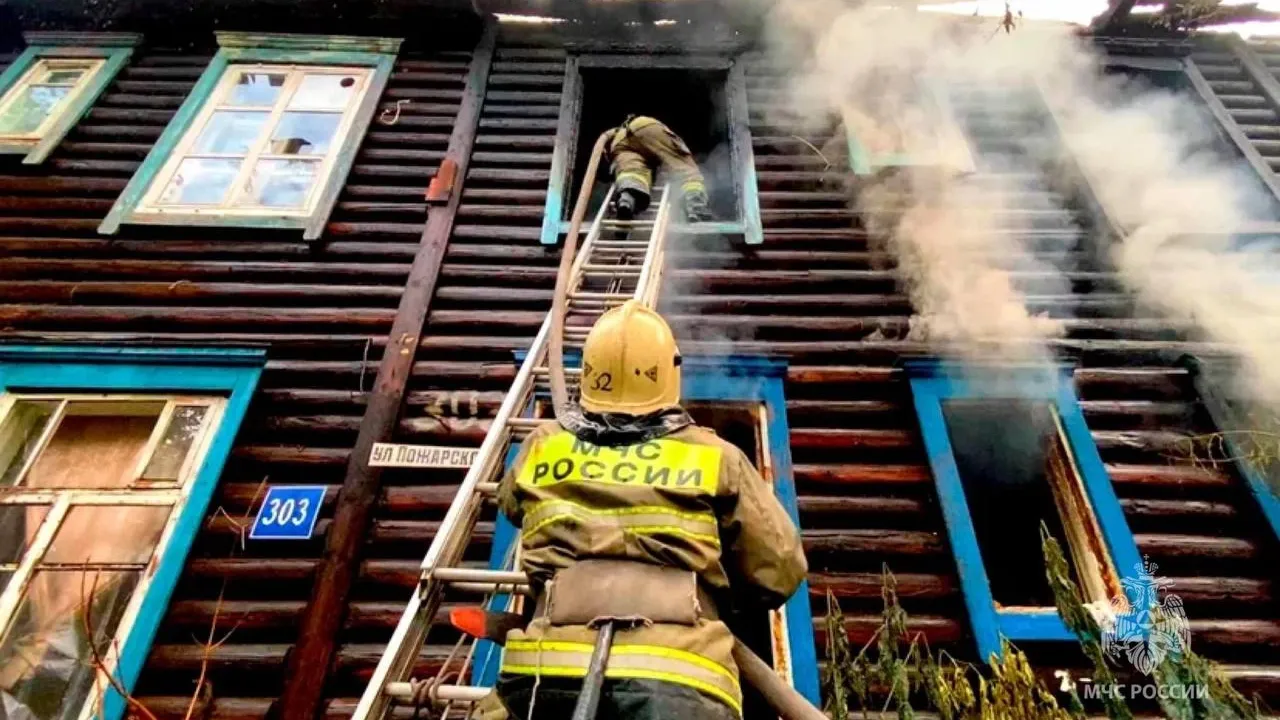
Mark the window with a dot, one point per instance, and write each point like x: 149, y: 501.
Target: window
x: 265, y: 140
x: 742, y: 399
x: 912, y: 126
x: 51, y: 85
x: 704, y: 100
x: 39, y: 97
x: 101, y: 494
x: 1009, y: 450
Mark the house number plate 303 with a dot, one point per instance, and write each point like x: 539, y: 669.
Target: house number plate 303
x: 288, y: 512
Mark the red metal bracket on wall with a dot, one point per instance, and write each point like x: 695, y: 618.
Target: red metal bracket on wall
x: 441, y: 187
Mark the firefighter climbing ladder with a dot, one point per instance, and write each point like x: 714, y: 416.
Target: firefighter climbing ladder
x: 610, y: 268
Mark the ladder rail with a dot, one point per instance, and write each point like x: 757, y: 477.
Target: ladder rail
x: 646, y: 268
x: 499, y: 428
x: 588, y: 246
x: 654, y: 260
x: 449, y: 544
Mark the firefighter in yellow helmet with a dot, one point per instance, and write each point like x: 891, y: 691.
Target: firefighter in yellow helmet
x: 631, y: 514
x: 635, y: 149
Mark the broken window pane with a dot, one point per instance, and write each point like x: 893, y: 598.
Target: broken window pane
x: 256, y: 89
x: 184, y: 426
x: 97, y: 445
x: 46, y: 662
x: 20, y: 435
x: 304, y: 133
x: 107, y: 534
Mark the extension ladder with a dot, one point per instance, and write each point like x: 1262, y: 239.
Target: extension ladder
x: 610, y: 268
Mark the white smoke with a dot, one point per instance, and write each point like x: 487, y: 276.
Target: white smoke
x: 968, y: 259
x: 962, y: 247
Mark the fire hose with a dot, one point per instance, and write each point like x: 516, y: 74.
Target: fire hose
x: 783, y: 698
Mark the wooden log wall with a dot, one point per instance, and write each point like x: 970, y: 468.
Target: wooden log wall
x: 323, y: 309
x: 494, y: 292
x: 815, y: 292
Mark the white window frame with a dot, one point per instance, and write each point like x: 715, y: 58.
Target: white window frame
x: 140, y: 493
x: 90, y: 67
x: 234, y: 203
x: 105, y: 54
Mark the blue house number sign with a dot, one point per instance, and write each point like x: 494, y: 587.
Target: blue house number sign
x: 288, y: 512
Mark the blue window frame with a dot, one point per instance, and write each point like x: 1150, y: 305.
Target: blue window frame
x: 1230, y: 417
x: 52, y: 84
x: 934, y: 384
x: 735, y: 379
x: 266, y: 137
x: 110, y: 457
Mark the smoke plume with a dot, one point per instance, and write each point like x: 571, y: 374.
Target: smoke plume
x: 962, y: 247
x: 988, y: 117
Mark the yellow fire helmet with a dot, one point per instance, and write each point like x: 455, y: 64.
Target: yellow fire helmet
x: 630, y: 363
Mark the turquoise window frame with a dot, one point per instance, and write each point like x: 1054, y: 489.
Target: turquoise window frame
x: 231, y: 371
x: 931, y: 384
x: 737, y: 379
x: 748, y: 224
x: 863, y: 162
x: 325, y: 50
x: 1209, y: 377
x: 114, y: 48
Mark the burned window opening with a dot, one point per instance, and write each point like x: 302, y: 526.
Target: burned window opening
x: 693, y: 103
x: 1016, y: 471
x: 739, y: 423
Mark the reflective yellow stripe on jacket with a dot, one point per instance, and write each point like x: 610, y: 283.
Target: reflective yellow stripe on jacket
x: 642, y: 662
x: 642, y: 520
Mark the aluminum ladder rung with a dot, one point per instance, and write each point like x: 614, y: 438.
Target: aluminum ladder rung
x: 545, y: 388
x: 627, y: 223
x: 520, y: 433
x: 479, y: 580
x: 480, y: 588
x: 620, y: 244
x: 461, y: 574
x: 531, y: 423
x: 542, y: 371
x: 595, y: 305
x: 440, y: 693
x: 607, y: 270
